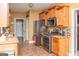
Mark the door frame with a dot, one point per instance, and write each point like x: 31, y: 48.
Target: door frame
x: 74, y: 32
x: 27, y: 19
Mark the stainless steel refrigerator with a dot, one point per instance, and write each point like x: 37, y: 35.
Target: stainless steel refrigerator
x: 37, y: 30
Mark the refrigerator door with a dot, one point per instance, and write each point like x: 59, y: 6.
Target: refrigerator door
x: 37, y: 27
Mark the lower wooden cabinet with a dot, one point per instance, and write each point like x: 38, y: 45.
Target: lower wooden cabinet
x: 55, y: 45
x: 60, y: 46
x: 10, y: 48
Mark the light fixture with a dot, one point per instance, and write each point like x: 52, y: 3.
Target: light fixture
x: 30, y: 5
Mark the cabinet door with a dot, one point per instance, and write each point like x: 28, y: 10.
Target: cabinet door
x: 59, y: 17
x: 48, y: 15
x: 55, y: 45
x: 52, y: 12
x: 43, y: 16
x: 63, y: 16
x: 63, y: 46
x: 4, y: 14
x: 66, y: 16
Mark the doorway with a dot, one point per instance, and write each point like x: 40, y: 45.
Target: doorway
x: 19, y: 31
x: 21, y: 28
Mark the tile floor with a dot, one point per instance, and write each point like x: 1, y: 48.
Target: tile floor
x: 33, y: 50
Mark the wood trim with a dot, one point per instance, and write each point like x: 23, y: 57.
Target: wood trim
x: 57, y: 7
x: 60, y: 7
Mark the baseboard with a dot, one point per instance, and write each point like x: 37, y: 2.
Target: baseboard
x: 31, y: 42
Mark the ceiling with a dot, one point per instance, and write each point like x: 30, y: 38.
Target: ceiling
x: 23, y: 7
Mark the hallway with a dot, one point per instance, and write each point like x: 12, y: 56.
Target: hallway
x: 32, y: 50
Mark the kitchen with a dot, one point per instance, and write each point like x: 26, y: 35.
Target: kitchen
x: 55, y: 32
x: 49, y: 29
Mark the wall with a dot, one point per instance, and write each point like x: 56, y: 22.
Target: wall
x: 16, y: 15
x: 33, y: 15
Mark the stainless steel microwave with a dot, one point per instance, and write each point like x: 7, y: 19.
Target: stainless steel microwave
x: 52, y: 21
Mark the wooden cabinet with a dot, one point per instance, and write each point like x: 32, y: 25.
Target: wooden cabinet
x: 52, y: 11
x: 48, y: 14
x: 9, y: 48
x: 4, y: 14
x: 60, y: 46
x: 55, y: 45
x: 63, y: 16
x: 43, y: 16
x: 60, y: 12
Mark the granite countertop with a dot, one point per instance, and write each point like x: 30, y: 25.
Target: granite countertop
x: 57, y: 36
x: 8, y: 40
x: 60, y: 36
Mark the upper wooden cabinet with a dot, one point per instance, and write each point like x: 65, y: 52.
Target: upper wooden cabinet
x: 4, y: 14
x: 42, y: 16
x: 48, y: 14
x: 60, y: 46
x: 53, y: 11
x: 60, y: 12
x: 63, y: 16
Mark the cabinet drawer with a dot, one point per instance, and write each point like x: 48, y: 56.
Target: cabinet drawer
x: 6, y: 47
